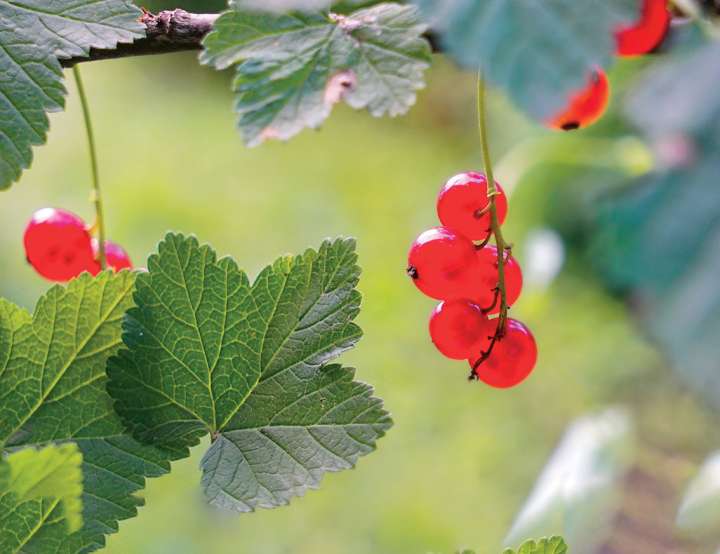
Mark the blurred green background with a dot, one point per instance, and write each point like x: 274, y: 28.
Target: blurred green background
x: 462, y: 457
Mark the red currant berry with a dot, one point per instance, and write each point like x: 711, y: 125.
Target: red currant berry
x: 488, y: 258
x: 512, y: 359
x: 458, y: 329
x: 462, y: 205
x: 57, y: 244
x: 115, y: 256
x: 443, y: 264
x: 647, y: 33
x: 586, y: 106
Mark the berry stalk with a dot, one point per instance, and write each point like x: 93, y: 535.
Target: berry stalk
x: 492, y: 192
x: 96, y: 194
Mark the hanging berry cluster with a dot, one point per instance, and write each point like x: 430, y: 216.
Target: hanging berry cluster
x: 456, y: 264
x: 59, y: 245
x: 587, y: 105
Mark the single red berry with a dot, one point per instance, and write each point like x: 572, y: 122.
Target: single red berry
x: 443, y: 264
x: 462, y: 205
x: 647, y: 33
x: 57, y: 244
x: 585, y: 106
x: 488, y: 259
x: 115, y: 256
x: 512, y: 359
x: 458, y: 329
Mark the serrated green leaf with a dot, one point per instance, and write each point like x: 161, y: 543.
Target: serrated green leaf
x: 553, y: 545
x: 294, y: 68
x: 51, y: 473
x: 299, y: 424
x: 34, y: 34
x: 52, y: 389
x: 209, y: 353
x: 538, y: 52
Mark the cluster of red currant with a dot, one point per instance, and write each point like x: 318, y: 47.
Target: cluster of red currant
x: 60, y: 246
x: 641, y: 37
x: 454, y: 263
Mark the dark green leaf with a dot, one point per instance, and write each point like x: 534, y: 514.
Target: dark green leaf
x: 658, y: 239
x: 538, y: 51
x: 52, y: 388
x: 209, y: 353
x: 294, y: 68
x: 33, y: 35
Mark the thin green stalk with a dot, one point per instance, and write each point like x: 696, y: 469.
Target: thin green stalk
x: 96, y: 194
x: 492, y: 193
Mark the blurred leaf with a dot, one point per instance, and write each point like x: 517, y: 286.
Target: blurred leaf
x: 52, y: 473
x: 292, y: 69
x: 539, y: 52
x: 659, y: 238
x: 209, y: 353
x: 574, y: 495
x: 700, y: 506
x: 33, y: 35
x: 552, y: 545
x: 680, y: 96
x: 52, y: 389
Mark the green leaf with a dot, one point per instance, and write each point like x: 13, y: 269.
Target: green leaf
x: 209, y: 353
x: 299, y: 424
x: 292, y: 69
x: 553, y: 545
x: 658, y: 239
x: 52, y: 389
x: 538, y: 51
x: 52, y: 473
x: 34, y: 34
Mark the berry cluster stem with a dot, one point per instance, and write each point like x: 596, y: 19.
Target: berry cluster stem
x: 96, y: 194
x: 492, y: 193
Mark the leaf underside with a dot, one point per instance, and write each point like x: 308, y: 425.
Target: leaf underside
x: 293, y: 68
x: 209, y: 352
x: 34, y: 34
x: 537, y: 51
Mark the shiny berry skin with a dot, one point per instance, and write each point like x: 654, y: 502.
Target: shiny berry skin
x: 647, y: 33
x: 115, y: 256
x: 461, y: 202
x: 459, y: 329
x: 512, y: 359
x: 443, y: 264
x: 57, y: 244
x: 489, y: 270
x: 585, y: 106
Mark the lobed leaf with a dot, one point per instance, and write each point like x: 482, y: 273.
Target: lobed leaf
x: 293, y: 68
x: 34, y: 34
x: 52, y: 389
x: 210, y: 353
